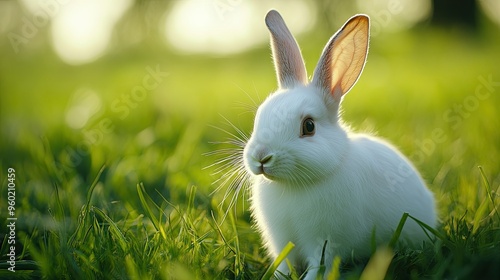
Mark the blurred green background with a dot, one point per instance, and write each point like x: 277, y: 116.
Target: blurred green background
x: 138, y: 86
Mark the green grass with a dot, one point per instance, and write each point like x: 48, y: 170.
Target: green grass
x: 137, y: 204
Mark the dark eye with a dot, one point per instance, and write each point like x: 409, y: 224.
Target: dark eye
x: 307, y: 127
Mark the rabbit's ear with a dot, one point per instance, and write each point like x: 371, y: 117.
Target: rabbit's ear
x: 288, y: 61
x: 344, y: 57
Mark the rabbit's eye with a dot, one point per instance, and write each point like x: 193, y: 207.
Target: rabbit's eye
x: 307, y: 127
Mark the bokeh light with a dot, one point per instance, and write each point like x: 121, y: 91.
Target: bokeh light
x: 395, y: 15
x: 223, y: 27
x: 491, y: 9
x: 81, y: 32
x: 81, y: 29
x: 83, y: 105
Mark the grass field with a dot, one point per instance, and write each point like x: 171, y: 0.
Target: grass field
x: 110, y: 180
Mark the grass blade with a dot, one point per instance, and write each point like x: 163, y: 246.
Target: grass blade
x: 334, y: 274
x: 274, y: 266
x: 378, y: 264
x: 131, y: 268
x: 488, y: 191
x: 142, y: 197
x: 116, y: 232
x: 322, y: 267
x: 434, y: 232
x: 83, y: 213
x: 479, y: 215
x: 398, y: 231
x: 238, y: 264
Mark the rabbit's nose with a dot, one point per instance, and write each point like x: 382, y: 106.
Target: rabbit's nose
x: 263, y: 155
x: 265, y: 159
x: 262, y: 160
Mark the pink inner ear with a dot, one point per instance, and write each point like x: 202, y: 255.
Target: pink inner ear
x: 350, y: 57
x: 336, y: 92
x: 343, y: 58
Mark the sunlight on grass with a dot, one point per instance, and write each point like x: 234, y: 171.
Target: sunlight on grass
x: 279, y: 259
x: 378, y: 264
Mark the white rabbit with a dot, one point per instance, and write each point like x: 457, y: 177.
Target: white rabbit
x: 312, y: 180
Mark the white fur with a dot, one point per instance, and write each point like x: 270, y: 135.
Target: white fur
x: 334, y: 186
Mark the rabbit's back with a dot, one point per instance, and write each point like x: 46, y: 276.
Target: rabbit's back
x: 390, y: 186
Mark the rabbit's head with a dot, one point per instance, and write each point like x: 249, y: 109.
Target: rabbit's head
x: 297, y: 138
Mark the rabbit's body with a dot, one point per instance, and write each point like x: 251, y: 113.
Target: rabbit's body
x: 313, y: 180
x: 357, y: 185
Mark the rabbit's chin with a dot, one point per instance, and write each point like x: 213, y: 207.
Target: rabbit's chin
x: 269, y: 178
x: 284, y: 182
